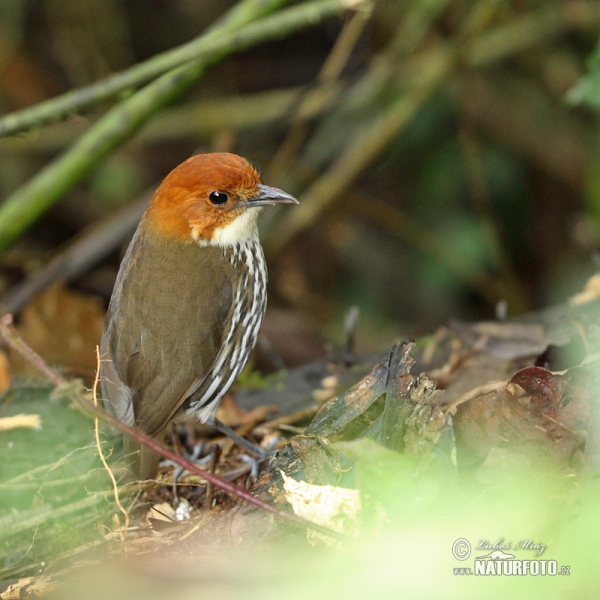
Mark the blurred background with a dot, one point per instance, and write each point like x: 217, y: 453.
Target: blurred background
x: 444, y: 153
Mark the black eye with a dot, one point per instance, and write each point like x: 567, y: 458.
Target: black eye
x: 218, y: 198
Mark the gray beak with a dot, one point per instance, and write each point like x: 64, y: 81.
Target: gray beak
x: 268, y: 196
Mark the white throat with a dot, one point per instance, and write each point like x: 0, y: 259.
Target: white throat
x: 242, y: 229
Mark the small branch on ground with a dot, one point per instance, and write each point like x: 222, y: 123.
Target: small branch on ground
x: 10, y: 334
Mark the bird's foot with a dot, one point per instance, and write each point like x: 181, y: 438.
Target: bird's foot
x: 263, y: 455
x: 255, y: 454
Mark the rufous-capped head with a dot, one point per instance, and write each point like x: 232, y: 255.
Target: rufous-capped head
x: 212, y: 199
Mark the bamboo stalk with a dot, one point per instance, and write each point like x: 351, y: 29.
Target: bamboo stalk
x: 40, y: 193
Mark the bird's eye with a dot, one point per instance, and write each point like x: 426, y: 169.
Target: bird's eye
x: 218, y: 198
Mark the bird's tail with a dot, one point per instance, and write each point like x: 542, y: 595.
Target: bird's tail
x: 142, y: 461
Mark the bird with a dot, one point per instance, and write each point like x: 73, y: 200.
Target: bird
x: 188, y: 301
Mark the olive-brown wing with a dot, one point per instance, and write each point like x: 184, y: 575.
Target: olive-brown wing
x: 165, y: 325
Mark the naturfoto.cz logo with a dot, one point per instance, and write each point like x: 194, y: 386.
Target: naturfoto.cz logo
x: 500, y: 559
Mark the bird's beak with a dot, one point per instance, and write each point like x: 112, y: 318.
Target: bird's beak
x: 268, y: 196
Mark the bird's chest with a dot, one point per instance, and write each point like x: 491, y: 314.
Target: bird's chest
x: 189, y: 282
x: 240, y: 329
x: 249, y: 283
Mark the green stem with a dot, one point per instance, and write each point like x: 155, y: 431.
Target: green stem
x: 357, y: 155
x: 75, y: 101
x: 34, y: 198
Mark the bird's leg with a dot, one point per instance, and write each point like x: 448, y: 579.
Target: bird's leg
x: 215, y: 451
x: 253, y: 449
x: 179, y: 471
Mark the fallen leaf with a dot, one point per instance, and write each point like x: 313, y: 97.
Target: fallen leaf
x: 4, y: 372
x: 64, y: 327
x: 330, y: 506
x: 543, y: 387
x: 21, y: 420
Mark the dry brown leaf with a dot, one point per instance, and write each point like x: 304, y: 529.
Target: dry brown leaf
x: 230, y: 413
x: 64, y: 327
x: 4, y: 372
x: 21, y: 420
x: 591, y: 291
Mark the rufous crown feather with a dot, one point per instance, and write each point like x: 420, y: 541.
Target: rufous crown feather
x: 211, y: 199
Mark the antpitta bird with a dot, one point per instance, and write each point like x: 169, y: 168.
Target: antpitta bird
x: 189, y: 298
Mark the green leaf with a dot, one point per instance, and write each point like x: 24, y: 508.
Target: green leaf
x: 587, y: 89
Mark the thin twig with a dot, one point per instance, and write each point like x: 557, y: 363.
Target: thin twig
x: 193, y: 468
x: 12, y: 337
x: 329, y: 73
x: 123, y: 529
x: 268, y: 427
x: 426, y: 68
x: 487, y: 388
x: 358, y: 154
x: 200, y: 117
x: 89, y: 247
x: 83, y: 98
x: 40, y: 193
x: 15, y: 341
